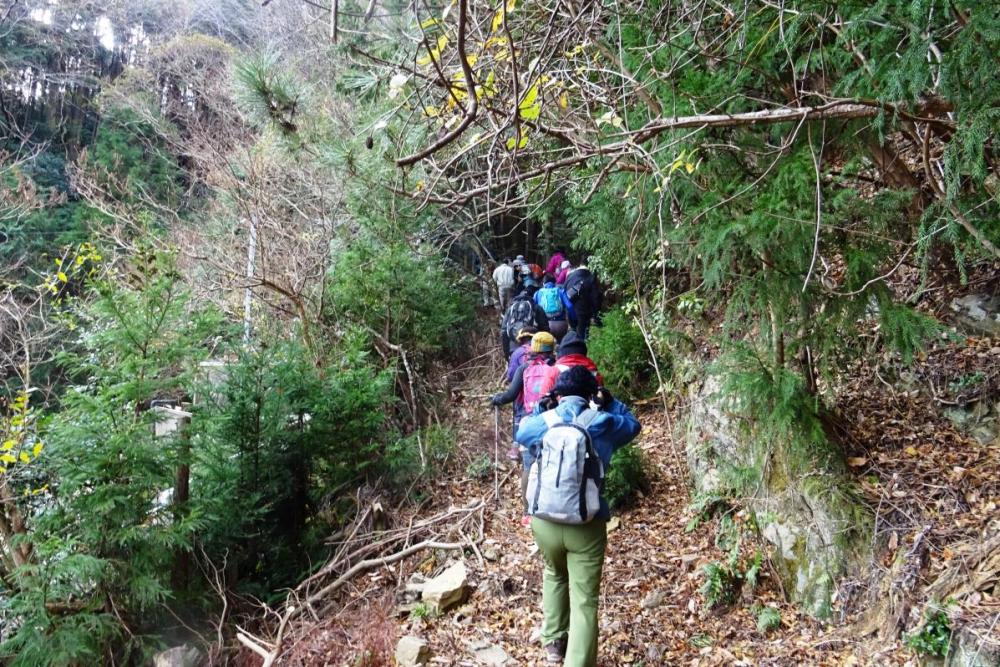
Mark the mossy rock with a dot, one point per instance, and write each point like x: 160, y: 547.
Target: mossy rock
x: 805, y: 507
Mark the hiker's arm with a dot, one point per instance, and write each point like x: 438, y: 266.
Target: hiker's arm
x: 530, y: 431
x: 570, y: 310
x: 621, y: 426
x: 513, y: 390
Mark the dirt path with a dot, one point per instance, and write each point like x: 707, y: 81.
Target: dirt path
x: 651, y: 610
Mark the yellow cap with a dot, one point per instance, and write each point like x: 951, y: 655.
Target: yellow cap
x: 543, y: 341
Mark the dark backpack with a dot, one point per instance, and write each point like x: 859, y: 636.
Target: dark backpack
x: 520, y: 315
x: 579, y: 284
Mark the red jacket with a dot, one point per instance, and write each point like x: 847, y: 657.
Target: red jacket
x: 580, y: 360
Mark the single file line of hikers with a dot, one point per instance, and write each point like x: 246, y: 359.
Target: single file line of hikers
x: 565, y: 425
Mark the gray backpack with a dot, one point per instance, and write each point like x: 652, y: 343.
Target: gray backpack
x: 564, y: 483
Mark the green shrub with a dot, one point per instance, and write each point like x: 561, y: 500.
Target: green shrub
x: 414, y: 301
x: 626, y: 476
x: 768, y: 619
x: 420, y: 454
x: 619, y: 350
x: 300, y: 437
x: 721, y: 584
x: 934, y: 637
x: 480, y: 467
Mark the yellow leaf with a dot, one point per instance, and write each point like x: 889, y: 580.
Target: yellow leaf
x: 431, y: 111
x: 24, y: 457
x: 8, y: 458
x: 8, y: 445
x: 37, y: 449
x: 429, y: 23
x: 911, y: 451
x: 856, y: 461
x: 2, y: 470
x: 530, y: 107
x: 690, y: 167
x: 62, y: 276
x: 58, y: 262
x: 564, y: 100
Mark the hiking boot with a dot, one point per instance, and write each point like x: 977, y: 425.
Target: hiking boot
x: 514, y: 454
x: 556, y: 651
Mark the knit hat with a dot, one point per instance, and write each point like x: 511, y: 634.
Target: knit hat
x: 526, y: 333
x: 543, y: 341
x: 572, y: 344
x: 520, y: 258
x: 564, y: 265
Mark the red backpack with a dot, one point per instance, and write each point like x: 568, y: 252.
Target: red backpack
x: 539, y: 378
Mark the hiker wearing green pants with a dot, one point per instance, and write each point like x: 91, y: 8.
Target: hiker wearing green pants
x: 573, y: 548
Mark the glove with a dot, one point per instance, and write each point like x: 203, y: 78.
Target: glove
x: 603, y: 398
x: 495, y: 399
x: 548, y: 402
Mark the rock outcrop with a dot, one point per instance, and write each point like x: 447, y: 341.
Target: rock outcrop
x: 819, y: 530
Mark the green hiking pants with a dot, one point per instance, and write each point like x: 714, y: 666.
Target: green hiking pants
x: 574, y: 558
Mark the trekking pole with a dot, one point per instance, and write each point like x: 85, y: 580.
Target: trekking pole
x: 496, y: 453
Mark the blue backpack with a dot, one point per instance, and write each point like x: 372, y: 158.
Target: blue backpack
x: 548, y: 298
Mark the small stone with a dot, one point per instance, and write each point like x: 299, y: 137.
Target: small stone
x: 614, y: 524
x: 688, y: 561
x: 536, y: 635
x: 491, y: 655
x: 184, y: 655
x: 411, y: 651
x: 447, y: 589
x: 654, y: 599
x: 654, y: 652
x: 490, y: 552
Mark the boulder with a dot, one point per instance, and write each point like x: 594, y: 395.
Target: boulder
x: 971, y: 650
x: 977, y: 314
x: 447, y: 589
x: 184, y: 655
x: 806, y: 506
x: 411, y: 651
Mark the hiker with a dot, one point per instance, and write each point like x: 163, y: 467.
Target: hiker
x: 569, y: 522
x: 564, y: 271
x: 503, y: 277
x: 557, y: 307
x: 555, y: 262
x: 528, y: 386
x: 585, y: 294
x: 573, y: 352
x: 524, y: 347
x: 522, y: 312
x: 536, y: 272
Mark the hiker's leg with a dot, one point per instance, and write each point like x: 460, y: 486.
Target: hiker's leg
x: 584, y: 562
x: 582, y: 324
x: 555, y: 581
x: 558, y: 328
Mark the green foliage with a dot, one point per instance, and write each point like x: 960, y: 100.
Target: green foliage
x: 480, y: 467
x: 720, y: 585
x: 104, y: 536
x: 299, y: 438
x: 619, y: 350
x: 421, y: 454
x: 768, y: 619
x: 411, y: 300
x: 701, y: 640
x: 934, y: 636
x: 627, y: 476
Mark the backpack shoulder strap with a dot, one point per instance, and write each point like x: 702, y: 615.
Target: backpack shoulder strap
x: 552, y: 418
x: 586, y: 418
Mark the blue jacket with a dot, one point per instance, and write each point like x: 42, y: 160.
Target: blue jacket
x: 611, y: 430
